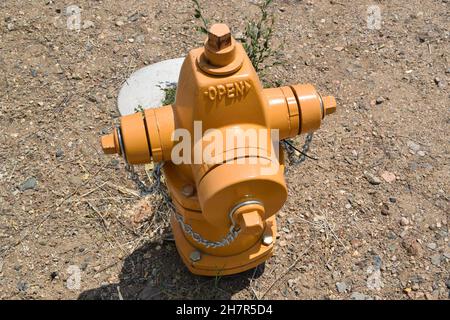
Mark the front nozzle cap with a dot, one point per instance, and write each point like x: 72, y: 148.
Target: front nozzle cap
x: 329, y: 105
x: 110, y: 143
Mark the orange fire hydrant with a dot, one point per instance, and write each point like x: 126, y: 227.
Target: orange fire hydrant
x: 225, y: 205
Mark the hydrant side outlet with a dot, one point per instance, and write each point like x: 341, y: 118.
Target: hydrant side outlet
x: 226, y: 186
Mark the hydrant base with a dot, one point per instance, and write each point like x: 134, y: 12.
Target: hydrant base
x: 210, y: 265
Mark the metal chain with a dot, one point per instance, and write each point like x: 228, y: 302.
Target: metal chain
x: 229, y: 238
x: 158, y: 187
x: 304, y: 150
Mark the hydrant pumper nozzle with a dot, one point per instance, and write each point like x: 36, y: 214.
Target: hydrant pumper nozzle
x: 224, y: 221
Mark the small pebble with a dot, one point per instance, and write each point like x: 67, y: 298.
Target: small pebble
x: 421, y: 153
x: 404, y: 221
x: 341, y: 287
x: 436, y: 259
x: 59, y: 153
x: 385, y: 209
x: 29, y: 184
x: 360, y: 296
x: 22, y: 286
x: 372, y: 178
x: 414, y: 147
x: 379, y: 100
x: 387, y: 176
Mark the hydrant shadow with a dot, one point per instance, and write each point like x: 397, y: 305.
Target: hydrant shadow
x: 153, y: 272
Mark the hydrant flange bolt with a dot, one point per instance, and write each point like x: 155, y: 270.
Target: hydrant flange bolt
x: 195, y: 256
x: 267, y: 240
x: 188, y: 190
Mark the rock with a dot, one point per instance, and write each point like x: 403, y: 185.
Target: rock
x: 282, y: 243
x: 10, y: 26
x: 1, y: 265
x: 119, y: 23
x: 372, y: 178
x: 59, y: 153
x: 379, y: 100
x: 432, y: 246
x: 412, y: 247
x: 414, y: 147
x: 134, y: 17
x: 34, y: 73
x: 447, y: 283
x: 404, y: 221
x: 377, y: 262
x: 440, y: 83
x: 374, y: 281
x: 341, y: 287
x: 388, y: 176
x: 436, y: 259
x: 392, y: 199
x: 88, y: 24
x: 385, y: 209
x: 29, y: 184
x: 360, y: 296
x: 421, y: 153
x: 140, y: 38
x: 22, y: 286
x: 141, y: 212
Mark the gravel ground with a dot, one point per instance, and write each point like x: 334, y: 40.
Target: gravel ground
x: 368, y: 220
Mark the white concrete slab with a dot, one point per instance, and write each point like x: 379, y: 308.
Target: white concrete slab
x: 145, y: 86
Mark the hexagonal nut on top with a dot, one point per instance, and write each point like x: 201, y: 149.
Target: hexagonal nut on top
x: 219, y: 37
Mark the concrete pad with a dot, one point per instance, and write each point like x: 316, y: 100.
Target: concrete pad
x: 145, y: 86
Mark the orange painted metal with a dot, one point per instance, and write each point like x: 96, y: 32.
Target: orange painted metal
x: 219, y: 87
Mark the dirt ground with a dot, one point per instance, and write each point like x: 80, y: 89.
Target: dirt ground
x: 368, y: 220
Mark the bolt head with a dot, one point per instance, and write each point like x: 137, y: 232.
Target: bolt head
x: 188, y: 190
x: 195, y: 256
x: 219, y: 37
x: 267, y: 240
